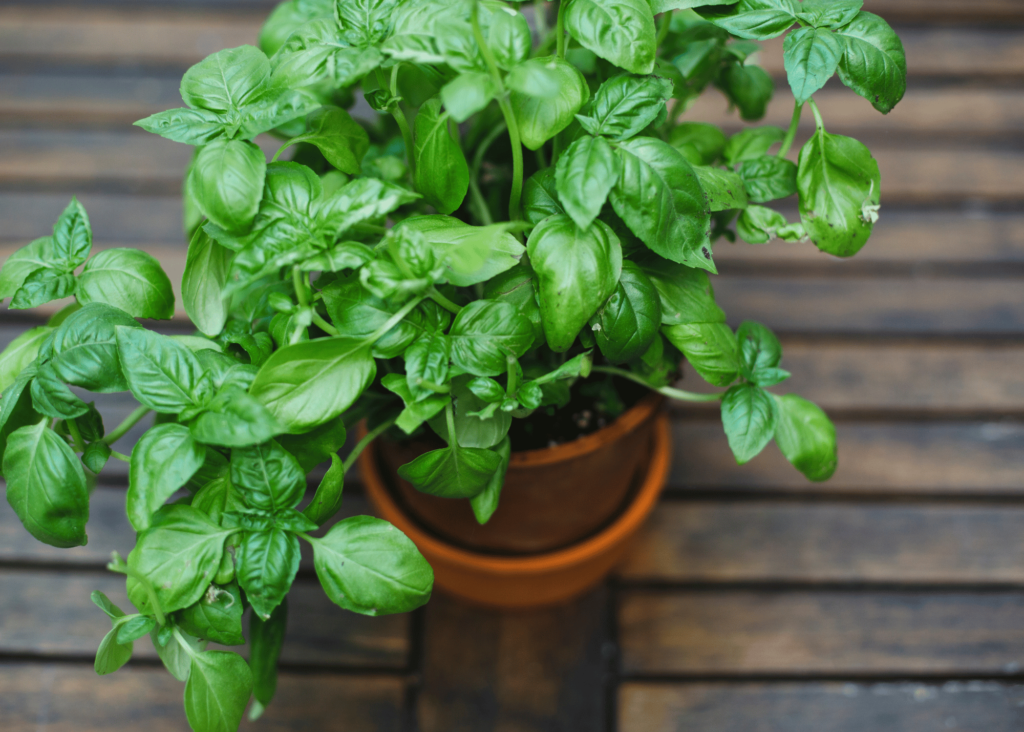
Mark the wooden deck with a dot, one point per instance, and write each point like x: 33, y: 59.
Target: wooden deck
x: 890, y: 598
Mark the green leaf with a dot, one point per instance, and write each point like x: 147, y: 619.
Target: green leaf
x: 751, y: 144
x: 749, y: 416
x: 427, y: 360
x: 541, y: 118
x: 130, y: 280
x: 266, y: 639
x: 508, y: 34
x: 341, y: 140
x: 358, y: 314
x: 442, y: 173
x: 452, y: 472
x: 874, y: 64
x: 621, y: 31
x: 472, y: 254
x: 216, y: 617
x: 202, y: 284
x: 365, y: 21
x: 585, y: 175
x: 629, y: 320
x: 162, y: 374
x: 51, y: 397
x: 534, y: 80
x: 829, y: 13
x: 327, y: 500
x: 759, y: 225
x: 188, y: 126
x: 811, y: 56
x: 84, y: 348
x: 310, y: 383
x: 723, y: 190
x: 20, y: 353
x: 43, y: 286
x: 749, y: 87
x: 768, y: 178
x: 711, y: 349
x: 467, y: 94
x: 268, y: 477
x: 96, y: 455
x: 485, y: 503
x: 163, y: 460
x: 660, y: 198
x: 317, y: 445
x: 577, y: 270
x: 217, y: 497
x: 134, y: 628
x: 757, y: 20
x: 472, y: 430
x: 839, y: 186
x: 624, y: 105
x: 173, y: 654
x: 415, y: 412
x: 226, y: 179
x: 368, y: 566
x: 686, y: 293
x: 72, y: 236
x: 179, y: 555
x: 218, y: 688
x: 760, y: 353
x: 46, y: 485
x: 806, y: 436
x: 104, y: 603
x: 699, y: 142
x: 517, y: 286
x: 316, y: 55
x: 485, y: 334
x: 267, y: 564
x: 663, y: 6
x: 25, y: 261
x: 540, y: 197
x: 16, y: 410
x: 234, y: 419
x: 226, y: 80
x: 112, y: 655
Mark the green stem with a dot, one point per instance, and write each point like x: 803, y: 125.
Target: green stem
x: 787, y: 141
x: 437, y: 388
x: 324, y: 325
x: 817, y: 115
x: 130, y: 421
x: 560, y: 29
x: 513, y: 376
x: 120, y: 456
x: 663, y: 26
x: 483, y: 210
x: 394, y: 320
x: 300, y: 286
x: 444, y: 301
x: 76, y: 435
x: 403, y: 124
x: 182, y: 642
x: 449, y: 416
x: 363, y: 443
x: 683, y: 396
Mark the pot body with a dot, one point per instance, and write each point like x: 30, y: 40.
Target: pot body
x: 535, y: 579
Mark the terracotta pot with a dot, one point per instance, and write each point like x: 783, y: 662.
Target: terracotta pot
x: 551, y: 576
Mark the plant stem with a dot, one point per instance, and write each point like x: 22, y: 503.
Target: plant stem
x: 663, y: 26
x: 403, y: 124
x: 120, y: 456
x: 483, y: 210
x: 683, y: 396
x: 560, y: 29
x: 182, y: 642
x: 76, y: 435
x: 449, y: 416
x: 394, y: 320
x: 444, y: 301
x: 300, y: 286
x: 437, y: 388
x: 130, y: 421
x: 787, y: 141
x: 363, y: 443
x: 513, y: 376
x: 324, y: 325
x: 817, y: 115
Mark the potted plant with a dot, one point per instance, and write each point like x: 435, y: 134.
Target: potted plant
x: 509, y: 257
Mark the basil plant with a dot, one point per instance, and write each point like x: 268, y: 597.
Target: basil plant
x: 529, y: 212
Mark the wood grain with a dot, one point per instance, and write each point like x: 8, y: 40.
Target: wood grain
x: 974, y: 706
x: 50, y: 613
x: 762, y: 541
x: 801, y: 632
x: 46, y: 697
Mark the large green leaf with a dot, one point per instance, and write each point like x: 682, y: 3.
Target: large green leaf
x: 758, y: 20
x: 711, y: 348
x: 72, y: 236
x: 811, y: 56
x: 452, y: 472
x: 341, y: 140
x: 234, y: 419
x: 541, y: 118
x: 23, y: 262
x: 20, y: 353
x: 749, y: 416
x: 216, y: 617
x: 629, y: 320
x: 268, y: 476
x: 472, y: 254
x: 218, y: 688
x: 163, y: 460
x: 162, y: 374
x: 585, y: 175
x: 128, y: 279
x: 226, y: 80
x: 874, y: 64
x: 806, y: 436
x: 485, y: 334
x: 83, y: 350
x: 624, y: 105
x: 621, y: 31
x: 226, y: 180
x: 267, y: 564
x: 202, y: 285
x: 442, y: 173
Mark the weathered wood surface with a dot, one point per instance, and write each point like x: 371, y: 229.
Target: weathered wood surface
x: 973, y: 706
x: 53, y: 697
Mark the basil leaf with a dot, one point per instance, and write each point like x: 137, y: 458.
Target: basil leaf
x: 31, y: 257
x: 178, y: 554
x: 51, y: 397
x: 234, y: 419
x: 749, y: 87
x: 226, y: 80
x: 768, y: 178
x: 621, y: 31
x: 128, y: 279
x: 96, y: 455
x: 508, y: 35
x: 577, y: 270
x: 327, y: 499
x: 759, y: 225
x: 699, y: 142
x: 485, y: 334
x: 357, y: 313
x: 427, y: 360
x: 43, y: 286
x: 365, y: 21
x: 266, y: 639
x: 806, y: 436
x: 111, y: 655
x: 20, y: 354
x: 188, y: 126
x: 83, y: 350
x: 585, y: 175
x: 874, y: 64
x: 467, y: 94
x: 452, y: 472
x: 471, y: 428
x: 686, y: 293
x: 217, y: 497
x: 839, y: 185
x: 442, y: 173
x: 517, y: 286
x: 757, y: 20
x: 16, y: 410
x: 104, y: 603
x: 133, y: 629
x: 415, y: 412
x: 163, y: 460
x: 316, y: 54
x: 749, y: 416
x: 341, y: 140
x: 811, y: 56
x: 629, y: 320
x: 268, y: 477
x: 218, y: 688
x: 760, y: 353
x: 534, y: 80
x: 472, y: 254
x: 72, y: 236
x: 751, y: 144
x: 310, y: 383
x: 46, y: 485
x: 267, y: 564
x: 317, y: 445
x: 226, y: 179
x: 216, y: 617
x: 829, y: 13
x: 659, y: 197
x: 624, y: 105
x: 723, y: 190
x: 541, y: 118
x: 202, y: 284
x: 711, y: 349
x: 173, y: 654
x: 162, y: 374
x: 485, y: 503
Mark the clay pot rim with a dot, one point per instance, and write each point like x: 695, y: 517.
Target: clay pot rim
x: 626, y: 422
x: 624, y: 525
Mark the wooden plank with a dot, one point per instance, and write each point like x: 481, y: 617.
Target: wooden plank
x: 849, y: 633
x: 51, y: 613
x: 534, y: 671
x: 761, y: 541
x: 72, y: 698
x: 918, y: 458
x: 837, y: 707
